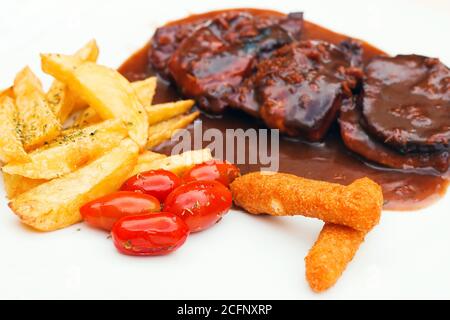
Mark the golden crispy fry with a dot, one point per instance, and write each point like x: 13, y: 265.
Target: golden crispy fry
x: 9, y: 92
x: 330, y: 255
x: 70, y: 151
x: 37, y: 123
x: 177, y: 164
x: 11, y: 148
x: 55, y: 204
x: 16, y: 185
x: 145, y: 91
x: 60, y: 99
x: 149, y: 156
x: 104, y: 89
x: 357, y: 206
x: 87, y: 117
x: 161, y: 112
x: 89, y: 52
x: 163, y: 131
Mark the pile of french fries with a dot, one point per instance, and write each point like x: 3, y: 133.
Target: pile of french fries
x: 83, y: 138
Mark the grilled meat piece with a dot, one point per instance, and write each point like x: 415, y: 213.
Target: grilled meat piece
x: 300, y: 89
x: 359, y: 141
x: 214, y: 60
x: 406, y: 103
x: 165, y: 41
x: 257, y: 63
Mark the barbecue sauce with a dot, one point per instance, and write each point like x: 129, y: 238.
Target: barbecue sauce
x: 329, y: 160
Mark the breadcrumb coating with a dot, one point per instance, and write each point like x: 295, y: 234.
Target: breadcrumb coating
x: 357, y: 205
x: 330, y: 255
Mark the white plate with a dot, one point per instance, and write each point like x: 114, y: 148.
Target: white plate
x: 406, y: 256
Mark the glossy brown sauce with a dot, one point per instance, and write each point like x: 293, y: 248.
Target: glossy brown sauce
x: 328, y: 161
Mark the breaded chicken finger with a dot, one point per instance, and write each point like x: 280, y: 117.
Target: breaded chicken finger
x: 357, y: 206
x: 330, y: 255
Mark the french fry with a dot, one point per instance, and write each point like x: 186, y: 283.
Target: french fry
x: 144, y: 89
x: 60, y: 99
x: 149, y: 156
x: 357, y: 205
x: 161, y: 112
x: 163, y: 131
x: 11, y: 148
x: 86, y: 117
x: 37, y: 123
x: 55, y: 204
x: 330, y: 255
x: 16, y: 185
x: 177, y: 164
x: 9, y: 92
x: 70, y: 151
x: 104, y: 89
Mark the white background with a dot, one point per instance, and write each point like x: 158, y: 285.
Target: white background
x: 244, y: 257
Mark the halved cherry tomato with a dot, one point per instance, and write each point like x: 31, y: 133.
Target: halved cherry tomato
x: 150, y: 234
x: 214, y: 170
x: 157, y: 183
x: 200, y: 203
x: 105, y: 211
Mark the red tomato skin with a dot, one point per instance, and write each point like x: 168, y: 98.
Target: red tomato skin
x: 157, y: 183
x: 200, y: 203
x: 214, y: 170
x: 149, y: 235
x: 105, y: 211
